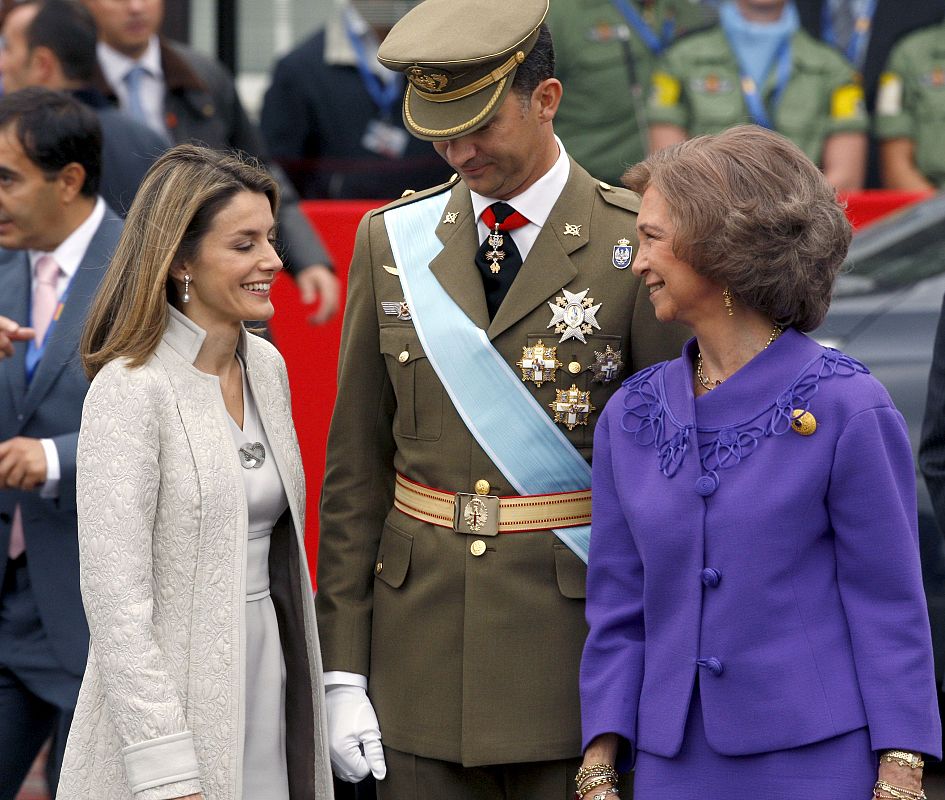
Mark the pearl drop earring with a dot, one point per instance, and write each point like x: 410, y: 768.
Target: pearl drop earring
x: 186, y: 297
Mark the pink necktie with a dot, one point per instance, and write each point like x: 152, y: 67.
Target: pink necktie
x: 45, y: 295
x: 45, y: 298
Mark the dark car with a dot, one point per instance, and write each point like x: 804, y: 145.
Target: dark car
x: 885, y: 313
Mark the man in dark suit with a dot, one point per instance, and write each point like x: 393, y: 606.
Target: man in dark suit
x: 51, y: 43
x: 191, y: 98
x: 56, y: 237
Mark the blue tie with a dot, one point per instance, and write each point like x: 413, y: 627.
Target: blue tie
x: 133, y: 80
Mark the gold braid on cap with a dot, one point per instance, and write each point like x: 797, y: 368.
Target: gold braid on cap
x: 458, y: 94
x: 447, y: 132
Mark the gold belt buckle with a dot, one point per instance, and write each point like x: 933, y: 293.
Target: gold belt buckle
x: 476, y: 513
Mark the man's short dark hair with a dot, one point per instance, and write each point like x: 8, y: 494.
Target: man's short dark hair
x: 54, y: 130
x: 539, y: 65
x: 66, y: 27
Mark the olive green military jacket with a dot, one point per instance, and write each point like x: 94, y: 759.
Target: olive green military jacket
x: 470, y: 659
x: 910, y: 102
x: 605, y: 68
x: 697, y: 86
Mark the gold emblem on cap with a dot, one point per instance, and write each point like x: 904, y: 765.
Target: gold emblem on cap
x: 572, y: 230
x: 572, y: 407
x: 803, y: 422
x: 427, y: 81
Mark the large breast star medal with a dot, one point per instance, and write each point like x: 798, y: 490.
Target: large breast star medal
x: 572, y: 407
x: 574, y: 316
x: 539, y: 363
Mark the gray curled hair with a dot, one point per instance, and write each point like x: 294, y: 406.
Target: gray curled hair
x: 753, y: 213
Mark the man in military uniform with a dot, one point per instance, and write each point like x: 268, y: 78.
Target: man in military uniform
x: 488, y: 321
x: 604, y: 54
x: 759, y: 66
x: 910, y: 110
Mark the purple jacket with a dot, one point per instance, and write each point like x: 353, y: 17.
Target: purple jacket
x: 782, y: 569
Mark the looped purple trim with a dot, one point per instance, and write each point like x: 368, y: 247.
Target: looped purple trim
x: 644, y: 416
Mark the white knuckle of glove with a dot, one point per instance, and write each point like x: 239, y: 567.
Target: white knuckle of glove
x: 354, y: 736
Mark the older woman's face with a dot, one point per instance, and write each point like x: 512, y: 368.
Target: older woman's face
x: 677, y: 292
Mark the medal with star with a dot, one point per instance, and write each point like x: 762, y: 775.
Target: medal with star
x: 539, y: 363
x: 572, y: 407
x: 607, y: 365
x: 574, y: 316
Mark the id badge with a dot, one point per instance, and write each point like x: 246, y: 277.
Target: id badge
x: 385, y: 139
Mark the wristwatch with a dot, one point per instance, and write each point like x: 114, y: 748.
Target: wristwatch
x: 903, y: 757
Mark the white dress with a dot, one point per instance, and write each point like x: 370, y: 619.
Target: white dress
x: 265, y: 775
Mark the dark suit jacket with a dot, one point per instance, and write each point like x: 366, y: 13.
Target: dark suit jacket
x: 471, y: 660
x: 314, y: 118
x: 129, y: 148
x: 50, y: 407
x: 201, y: 105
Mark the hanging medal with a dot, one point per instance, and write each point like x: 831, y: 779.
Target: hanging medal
x: 494, y: 256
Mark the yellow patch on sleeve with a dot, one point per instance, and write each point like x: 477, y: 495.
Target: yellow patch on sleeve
x: 666, y: 89
x: 847, y: 102
x: 889, y: 95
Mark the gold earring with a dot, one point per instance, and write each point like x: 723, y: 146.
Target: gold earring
x: 729, y: 302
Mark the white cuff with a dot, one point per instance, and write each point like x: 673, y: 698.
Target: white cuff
x: 345, y: 679
x: 50, y: 489
x: 155, y: 762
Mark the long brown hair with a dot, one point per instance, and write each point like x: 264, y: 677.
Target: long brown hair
x: 172, y: 211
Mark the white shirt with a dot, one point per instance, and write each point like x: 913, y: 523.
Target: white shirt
x: 117, y: 65
x: 338, y: 48
x: 68, y: 256
x: 535, y: 203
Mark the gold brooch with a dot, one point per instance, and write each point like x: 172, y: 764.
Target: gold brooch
x: 803, y: 422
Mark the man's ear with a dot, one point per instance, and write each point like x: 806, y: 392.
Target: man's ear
x: 71, y: 179
x: 44, y: 67
x: 547, y: 96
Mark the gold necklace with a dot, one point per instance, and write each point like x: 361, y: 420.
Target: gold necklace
x: 709, y: 384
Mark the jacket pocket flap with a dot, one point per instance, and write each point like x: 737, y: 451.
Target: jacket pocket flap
x: 395, y: 340
x: 571, y: 573
x: 393, y: 556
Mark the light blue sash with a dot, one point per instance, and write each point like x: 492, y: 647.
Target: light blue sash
x: 507, y: 422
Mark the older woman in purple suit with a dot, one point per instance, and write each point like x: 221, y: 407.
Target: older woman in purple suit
x: 757, y: 622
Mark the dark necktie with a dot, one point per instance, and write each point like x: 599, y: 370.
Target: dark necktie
x: 498, y: 257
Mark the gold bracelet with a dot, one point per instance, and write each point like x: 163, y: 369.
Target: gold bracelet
x: 602, y: 795
x: 596, y: 770
x: 904, y: 758
x: 594, y: 782
x: 898, y: 792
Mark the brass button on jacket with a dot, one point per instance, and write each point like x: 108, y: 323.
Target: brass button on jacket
x: 477, y: 548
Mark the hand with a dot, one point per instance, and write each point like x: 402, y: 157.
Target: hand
x: 354, y: 737
x: 22, y: 463
x: 318, y: 282
x: 11, y: 332
x: 898, y: 775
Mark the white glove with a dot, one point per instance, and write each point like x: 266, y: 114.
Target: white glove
x: 354, y: 737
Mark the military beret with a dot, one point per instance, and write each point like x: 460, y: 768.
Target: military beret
x: 460, y: 58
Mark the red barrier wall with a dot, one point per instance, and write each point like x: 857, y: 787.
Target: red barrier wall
x: 311, y: 353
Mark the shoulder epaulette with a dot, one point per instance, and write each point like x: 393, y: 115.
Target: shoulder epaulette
x: 411, y: 196
x: 620, y: 197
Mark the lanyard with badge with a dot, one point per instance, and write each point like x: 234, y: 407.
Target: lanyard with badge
x: 655, y: 44
x: 862, y: 25
x: 752, y: 92
x: 381, y: 137
x: 34, y: 349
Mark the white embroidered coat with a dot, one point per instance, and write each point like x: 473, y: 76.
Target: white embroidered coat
x: 162, y: 535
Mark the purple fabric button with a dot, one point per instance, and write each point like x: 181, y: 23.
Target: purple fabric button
x: 728, y: 436
x: 712, y: 664
x: 711, y: 577
x: 707, y: 485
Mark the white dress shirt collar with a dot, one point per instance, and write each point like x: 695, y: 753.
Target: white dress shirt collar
x: 116, y: 65
x: 71, y: 250
x: 338, y: 48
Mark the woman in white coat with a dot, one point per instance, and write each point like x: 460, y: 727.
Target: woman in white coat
x: 204, y: 678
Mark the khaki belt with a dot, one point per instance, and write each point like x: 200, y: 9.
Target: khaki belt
x: 488, y: 515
